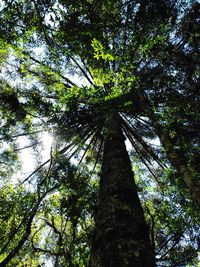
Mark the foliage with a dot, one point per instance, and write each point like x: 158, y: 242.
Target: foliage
x: 66, y: 65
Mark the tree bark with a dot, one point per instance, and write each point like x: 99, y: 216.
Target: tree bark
x: 177, y: 159
x: 121, y: 235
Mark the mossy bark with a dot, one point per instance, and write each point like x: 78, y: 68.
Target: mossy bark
x: 121, y: 234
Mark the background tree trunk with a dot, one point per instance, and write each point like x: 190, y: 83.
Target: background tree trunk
x: 121, y: 234
x: 177, y: 159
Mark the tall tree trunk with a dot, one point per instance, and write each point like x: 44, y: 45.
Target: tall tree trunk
x: 177, y: 158
x: 121, y: 234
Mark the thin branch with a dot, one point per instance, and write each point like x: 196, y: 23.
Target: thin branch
x: 46, y: 251
x: 82, y: 70
x: 152, y: 227
x: 86, y: 67
x: 172, y: 247
x: 98, y: 154
x: 87, y: 148
x: 21, y: 134
x: 140, y: 154
x: 26, y: 147
x: 43, y: 64
x: 62, y: 151
x: 147, y: 148
x: 24, y: 237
